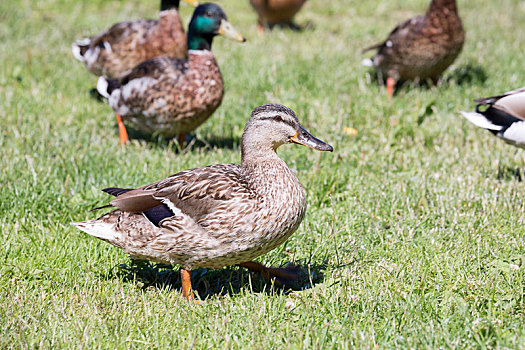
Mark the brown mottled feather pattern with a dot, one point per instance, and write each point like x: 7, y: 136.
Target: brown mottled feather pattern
x: 276, y: 11
x: 224, y: 215
x: 127, y: 44
x: 422, y: 47
x: 170, y: 97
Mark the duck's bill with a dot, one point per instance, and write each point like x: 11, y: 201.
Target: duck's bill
x: 303, y: 137
x: 193, y: 3
x: 227, y: 30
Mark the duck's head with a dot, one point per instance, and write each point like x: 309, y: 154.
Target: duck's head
x: 174, y: 4
x: 208, y: 21
x: 273, y: 125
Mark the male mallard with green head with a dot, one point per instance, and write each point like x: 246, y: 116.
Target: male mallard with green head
x: 171, y: 97
x: 420, y: 48
x: 218, y: 215
x: 126, y: 44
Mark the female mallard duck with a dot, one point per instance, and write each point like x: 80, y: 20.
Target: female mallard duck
x: 420, y: 48
x: 126, y: 44
x: 272, y: 12
x: 171, y: 97
x: 504, y: 116
x: 218, y: 215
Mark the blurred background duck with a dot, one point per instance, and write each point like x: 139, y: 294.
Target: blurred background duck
x: 126, y: 44
x: 502, y: 115
x: 170, y: 97
x: 218, y: 215
x: 420, y: 48
x: 276, y: 12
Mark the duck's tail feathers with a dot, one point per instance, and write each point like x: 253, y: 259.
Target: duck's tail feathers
x: 481, y: 121
x: 80, y: 47
x: 373, y: 47
x: 97, y: 228
x: 102, y: 86
x: 367, y: 62
x: 106, y: 86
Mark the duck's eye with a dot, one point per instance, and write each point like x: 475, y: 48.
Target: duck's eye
x: 278, y: 118
x: 208, y: 14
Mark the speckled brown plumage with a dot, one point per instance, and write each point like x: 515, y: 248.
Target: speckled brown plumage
x: 276, y: 11
x: 126, y: 44
x: 422, y: 47
x: 217, y: 215
x: 169, y: 97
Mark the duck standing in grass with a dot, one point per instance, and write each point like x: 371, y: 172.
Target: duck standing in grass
x: 126, y: 44
x: 504, y: 116
x: 272, y: 12
x: 170, y: 97
x: 420, y: 48
x: 218, y: 215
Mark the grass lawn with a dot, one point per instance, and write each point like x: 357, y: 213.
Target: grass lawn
x: 414, y: 236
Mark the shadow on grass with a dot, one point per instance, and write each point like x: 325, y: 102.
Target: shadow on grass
x: 468, y: 74
x: 506, y: 173
x: 94, y: 94
x: 309, y: 25
x: 210, y: 282
x: 192, y: 143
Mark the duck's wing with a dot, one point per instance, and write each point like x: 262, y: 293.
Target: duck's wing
x: 123, y: 34
x: 404, y: 32
x: 504, y: 117
x: 511, y: 102
x: 196, y: 193
x: 493, y: 99
x: 140, y: 79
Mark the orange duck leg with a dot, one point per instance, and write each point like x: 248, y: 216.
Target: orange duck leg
x: 123, y: 134
x: 390, y: 85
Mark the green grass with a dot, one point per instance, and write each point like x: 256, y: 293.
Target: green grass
x: 415, y: 229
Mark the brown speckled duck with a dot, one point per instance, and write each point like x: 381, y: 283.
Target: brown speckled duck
x: 126, y: 44
x: 169, y: 97
x: 502, y: 115
x: 218, y: 215
x: 272, y: 12
x: 420, y: 48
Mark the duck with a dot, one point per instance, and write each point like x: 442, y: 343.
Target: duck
x: 420, y: 48
x: 272, y: 12
x: 502, y: 115
x: 171, y: 97
x: 126, y: 44
x: 217, y: 215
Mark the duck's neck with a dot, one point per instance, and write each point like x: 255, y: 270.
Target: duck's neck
x: 169, y: 5
x: 253, y: 152
x: 441, y: 5
x: 199, y: 42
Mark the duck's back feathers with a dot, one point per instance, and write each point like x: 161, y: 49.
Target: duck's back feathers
x: 504, y: 116
x: 126, y: 44
x: 195, y: 192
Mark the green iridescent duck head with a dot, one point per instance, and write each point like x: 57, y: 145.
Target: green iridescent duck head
x: 208, y: 21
